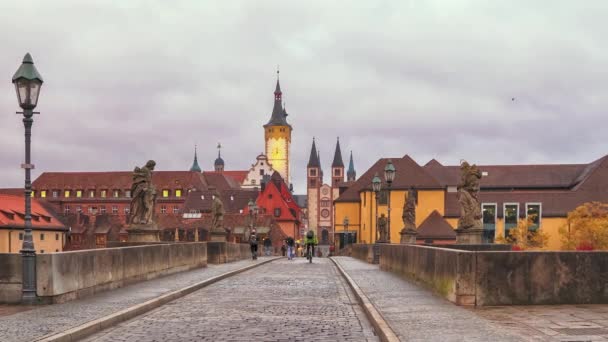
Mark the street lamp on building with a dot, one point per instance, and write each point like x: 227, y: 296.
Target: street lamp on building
x: 346, y: 232
x: 389, y: 176
x: 376, y: 187
x: 27, y: 83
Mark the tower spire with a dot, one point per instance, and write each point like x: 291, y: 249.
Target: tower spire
x: 313, y: 161
x: 195, y: 167
x: 338, y: 156
x: 351, y: 175
x: 278, y: 116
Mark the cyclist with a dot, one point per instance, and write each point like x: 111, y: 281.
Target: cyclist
x: 310, y: 241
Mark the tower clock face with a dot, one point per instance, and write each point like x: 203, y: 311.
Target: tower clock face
x: 277, y: 148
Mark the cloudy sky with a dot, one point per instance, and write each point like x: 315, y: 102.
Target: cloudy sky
x: 127, y: 81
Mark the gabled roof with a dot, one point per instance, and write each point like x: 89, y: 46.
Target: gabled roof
x: 238, y: 175
x: 409, y: 174
x: 12, y: 214
x: 435, y: 227
x: 513, y: 176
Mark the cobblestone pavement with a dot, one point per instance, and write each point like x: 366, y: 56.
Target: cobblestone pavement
x: 555, y: 322
x: 43, y: 320
x: 416, y: 314
x: 281, y: 301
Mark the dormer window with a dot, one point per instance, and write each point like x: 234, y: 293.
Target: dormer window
x: 78, y: 193
x: 91, y: 193
x: 104, y: 193
x: 66, y: 194
x: 178, y: 193
x: 43, y: 194
x: 116, y: 193
x: 165, y: 193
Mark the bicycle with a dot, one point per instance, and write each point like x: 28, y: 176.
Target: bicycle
x: 310, y: 250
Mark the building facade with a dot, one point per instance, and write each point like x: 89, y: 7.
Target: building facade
x: 48, y: 232
x: 508, y: 194
x: 276, y: 199
x: 320, y: 196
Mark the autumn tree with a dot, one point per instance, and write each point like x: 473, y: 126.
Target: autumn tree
x: 526, y: 235
x: 586, y: 227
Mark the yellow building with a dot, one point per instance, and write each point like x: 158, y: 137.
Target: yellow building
x: 48, y: 232
x: 508, y: 193
x: 277, y: 137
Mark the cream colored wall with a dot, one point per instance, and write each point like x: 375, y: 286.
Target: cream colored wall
x: 351, y: 210
x: 313, y: 208
x: 48, y: 245
x: 4, y: 248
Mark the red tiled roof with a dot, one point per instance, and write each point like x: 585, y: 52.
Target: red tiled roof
x: 13, y: 191
x: 237, y: 175
x: 220, y: 181
x: 12, y: 214
x: 435, y: 227
x: 234, y: 200
x: 117, y: 180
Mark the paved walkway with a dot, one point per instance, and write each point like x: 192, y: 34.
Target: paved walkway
x: 415, y: 314
x: 32, y: 324
x: 552, y: 322
x: 281, y: 301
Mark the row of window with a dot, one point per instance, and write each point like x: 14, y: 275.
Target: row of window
x: 102, y: 193
x: 114, y: 209
x: 510, y: 215
x: 41, y: 237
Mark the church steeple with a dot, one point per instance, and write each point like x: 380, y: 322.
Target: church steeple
x: 338, y: 156
x: 219, y: 162
x: 195, y: 167
x: 313, y: 161
x: 351, y: 175
x: 279, y: 115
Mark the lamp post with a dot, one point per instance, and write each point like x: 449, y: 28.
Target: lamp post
x: 389, y: 176
x: 345, y: 223
x: 27, y: 83
x: 376, y: 186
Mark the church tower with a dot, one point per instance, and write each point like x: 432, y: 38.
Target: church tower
x: 219, y: 162
x: 337, y: 171
x: 277, y: 136
x: 313, y: 181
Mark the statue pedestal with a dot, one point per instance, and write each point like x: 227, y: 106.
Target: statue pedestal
x: 218, y: 236
x: 408, y: 236
x: 143, y: 233
x: 471, y: 236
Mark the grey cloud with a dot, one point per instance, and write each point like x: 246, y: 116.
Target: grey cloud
x: 133, y: 80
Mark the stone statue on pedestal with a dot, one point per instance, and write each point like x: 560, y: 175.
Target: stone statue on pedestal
x: 468, y: 197
x: 217, y: 212
x: 409, y: 232
x: 143, y: 195
x: 142, y: 227
x: 382, y: 228
x: 470, y: 227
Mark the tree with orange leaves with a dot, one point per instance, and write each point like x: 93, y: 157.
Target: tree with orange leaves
x: 525, y: 236
x: 586, y: 227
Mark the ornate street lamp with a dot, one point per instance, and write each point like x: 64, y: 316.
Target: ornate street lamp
x: 389, y: 176
x: 27, y: 83
x: 376, y: 186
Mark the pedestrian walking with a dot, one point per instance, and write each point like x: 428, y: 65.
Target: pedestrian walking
x: 283, y: 249
x: 290, y: 245
x: 253, y: 243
